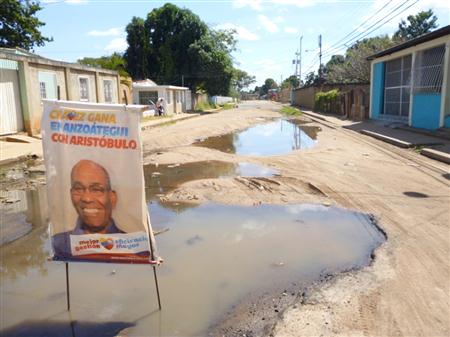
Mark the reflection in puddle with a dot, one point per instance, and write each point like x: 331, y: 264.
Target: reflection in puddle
x: 19, y: 210
x: 275, y: 138
x: 72, y: 329
x: 215, y: 255
x: 163, y: 179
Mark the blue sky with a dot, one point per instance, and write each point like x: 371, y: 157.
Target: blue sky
x: 268, y: 30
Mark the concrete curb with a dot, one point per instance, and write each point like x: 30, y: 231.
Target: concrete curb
x: 313, y: 115
x: 9, y: 161
x: 437, y: 155
x: 151, y: 124
x: 390, y: 140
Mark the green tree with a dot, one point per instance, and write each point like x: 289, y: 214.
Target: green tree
x: 174, y: 46
x: 19, y: 27
x: 268, y: 84
x: 290, y: 82
x: 211, y: 62
x: 419, y: 24
x: 355, y: 68
x: 136, y: 55
x: 311, y: 79
x: 241, y: 79
x: 112, y: 62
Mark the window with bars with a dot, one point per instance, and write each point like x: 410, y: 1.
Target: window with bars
x: 147, y: 97
x: 84, y: 88
x: 107, y: 87
x: 397, y: 86
x: 429, y: 70
x: 42, y: 90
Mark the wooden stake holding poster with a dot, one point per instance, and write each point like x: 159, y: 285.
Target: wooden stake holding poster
x: 95, y: 183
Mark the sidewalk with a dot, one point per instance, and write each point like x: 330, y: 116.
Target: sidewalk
x: 429, y: 144
x: 25, y: 146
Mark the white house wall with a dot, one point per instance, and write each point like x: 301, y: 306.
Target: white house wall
x: 114, y: 92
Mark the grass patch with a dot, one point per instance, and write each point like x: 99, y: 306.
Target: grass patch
x: 153, y: 118
x: 228, y: 106
x: 290, y: 111
x: 202, y: 106
x: 418, y: 148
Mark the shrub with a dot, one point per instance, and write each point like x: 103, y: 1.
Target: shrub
x: 324, y: 101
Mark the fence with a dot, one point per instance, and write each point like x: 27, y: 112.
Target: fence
x: 220, y: 100
x: 353, y: 100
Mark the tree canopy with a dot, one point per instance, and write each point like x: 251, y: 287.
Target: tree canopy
x: 19, y: 26
x: 241, y: 80
x: 112, y: 62
x: 353, y: 67
x: 174, y: 46
x: 419, y: 24
x: 290, y: 82
x: 268, y: 84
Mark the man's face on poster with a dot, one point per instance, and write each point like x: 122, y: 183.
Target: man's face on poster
x: 92, y: 196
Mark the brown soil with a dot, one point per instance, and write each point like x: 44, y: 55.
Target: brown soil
x: 405, y: 292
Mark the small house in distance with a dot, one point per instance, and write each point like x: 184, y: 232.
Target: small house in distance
x: 176, y: 99
x: 410, y: 83
x: 27, y: 78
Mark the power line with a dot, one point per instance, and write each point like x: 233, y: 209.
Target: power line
x: 354, y: 30
x: 366, y: 32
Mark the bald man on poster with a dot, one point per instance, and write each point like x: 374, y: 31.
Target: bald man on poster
x: 94, y: 200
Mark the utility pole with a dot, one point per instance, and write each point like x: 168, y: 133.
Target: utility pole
x: 320, y: 58
x: 300, y: 63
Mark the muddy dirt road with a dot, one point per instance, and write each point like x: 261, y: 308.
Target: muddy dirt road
x: 405, y: 292
x: 243, y: 157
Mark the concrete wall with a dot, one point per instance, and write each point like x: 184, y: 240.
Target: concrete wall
x: 220, y: 100
x: 426, y: 111
x: 68, y: 90
x: 114, y: 92
x: 35, y: 107
x: 74, y: 85
x: 284, y: 96
x: 304, y: 97
x: 171, y: 106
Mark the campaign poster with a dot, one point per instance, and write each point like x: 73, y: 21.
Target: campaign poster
x: 95, y: 183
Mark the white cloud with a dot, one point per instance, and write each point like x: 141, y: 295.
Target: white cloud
x: 278, y: 19
x: 253, y: 4
x: 76, y: 2
x: 118, y: 44
x: 298, y: 3
x: 257, y: 5
x: 109, y: 32
x: 268, y: 24
x: 242, y: 32
x: 290, y: 30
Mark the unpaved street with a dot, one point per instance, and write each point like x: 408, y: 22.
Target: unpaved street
x: 405, y: 292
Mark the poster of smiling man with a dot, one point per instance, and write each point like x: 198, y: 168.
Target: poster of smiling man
x: 95, y: 183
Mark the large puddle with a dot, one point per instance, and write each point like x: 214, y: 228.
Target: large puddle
x: 162, y: 179
x: 215, y: 255
x: 274, y: 138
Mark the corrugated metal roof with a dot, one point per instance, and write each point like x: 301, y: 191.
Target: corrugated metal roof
x: 411, y: 43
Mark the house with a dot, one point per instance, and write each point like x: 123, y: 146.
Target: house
x: 410, y: 83
x: 177, y: 99
x: 26, y: 78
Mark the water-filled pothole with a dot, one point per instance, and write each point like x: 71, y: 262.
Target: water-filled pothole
x: 274, y: 138
x: 161, y: 179
x: 215, y: 255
